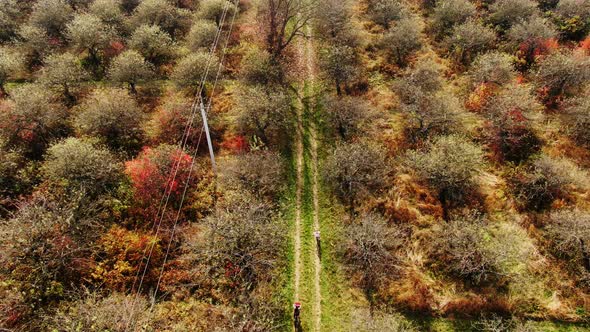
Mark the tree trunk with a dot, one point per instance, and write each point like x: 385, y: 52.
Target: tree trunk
x: 70, y: 100
x: 585, y: 256
x: 132, y: 88
x: 442, y: 197
x: 3, y: 90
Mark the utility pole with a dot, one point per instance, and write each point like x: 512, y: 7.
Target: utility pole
x: 209, y: 143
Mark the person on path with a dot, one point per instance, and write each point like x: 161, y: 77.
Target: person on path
x: 318, y: 242
x: 296, y: 315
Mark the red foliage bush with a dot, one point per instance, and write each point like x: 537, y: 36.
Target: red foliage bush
x: 164, y: 170
x: 158, y: 170
x: 115, y: 48
x: 236, y: 144
x: 529, y: 51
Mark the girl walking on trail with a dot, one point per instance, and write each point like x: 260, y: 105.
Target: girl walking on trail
x: 297, y: 314
x: 318, y: 243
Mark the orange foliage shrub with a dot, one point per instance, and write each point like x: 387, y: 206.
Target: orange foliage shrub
x: 120, y: 257
x: 236, y: 144
x: 409, y: 201
x: 529, y: 51
x: 585, y: 45
x: 480, y: 97
x: 413, y: 294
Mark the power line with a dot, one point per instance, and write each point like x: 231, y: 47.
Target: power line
x: 204, y: 113
x: 168, y: 190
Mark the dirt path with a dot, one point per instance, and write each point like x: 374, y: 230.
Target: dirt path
x: 298, y: 202
x: 315, y: 187
x: 307, y: 257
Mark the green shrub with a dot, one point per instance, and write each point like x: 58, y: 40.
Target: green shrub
x: 112, y: 116
x: 403, y: 40
x: 449, y: 165
x: 469, y: 40
x: 447, y: 14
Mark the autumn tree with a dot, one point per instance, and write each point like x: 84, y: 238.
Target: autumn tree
x: 334, y: 21
x: 120, y: 256
x: 216, y: 10
x: 262, y: 173
x: 353, y: 171
x: 258, y: 67
x: 109, y: 12
x: 570, y: 232
x: 403, y: 40
x: 10, y: 64
x: 342, y: 65
x: 369, y: 251
x: 283, y: 20
x: 32, y: 119
x: 384, y: 12
x: 448, y: 165
x: 243, y: 242
x: 80, y: 165
x: 63, y: 73
x: 468, y: 40
x: 94, y: 312
x: 201, y: 35
x: 423, y: 79
x: 10, y: 16
x: 195, y: 69
x: 161, y: 13
x: 505, y: 13
x: 428, y: 109
x: 169, y: 122
x: 572, y: 18
x: 464, y: 250
x: 11, y: 163
x: 470, y: 247
x: 494, y: 68
x: 431, y: 113
x: 531, y: 39
x: 152, y: 42
x: 545, y: 179
x: 265, y: 114
x: 562, y: 74
x: 577, y: 120
x: 348, y: 116
x: 112, y: 116
x: 162, y: 170
x: 448, y: 14
x: 35, y: 43
x: 51, y: 15
x: 87, y: 32
x: 510, y: 133
x: 45, y: 248
x: 131, y: 68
